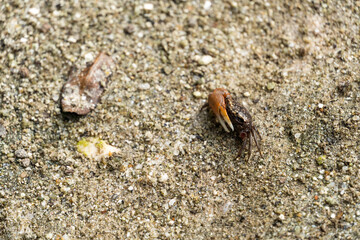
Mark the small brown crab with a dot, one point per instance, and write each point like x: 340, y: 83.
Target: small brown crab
x: 235, y: 117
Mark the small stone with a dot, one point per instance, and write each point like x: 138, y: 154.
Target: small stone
x: 144, y: 86
x: 148, y: 136
x: 21, y: 153
x: 172, y: 201
x: 164, y: 177
x: 167, y: 70
x: 34, y: 11
x: 203, y: 60
x: 45, y: 27
x: 331, y: 201
x: 281, y: 217
x: 246, y: 94
x: 49, y: 236
x: 2, y: 131
x: 24, y: 72
x: 148, y: 6
x: 207, y: 5
x: 65, y: 189
x: 270, y: 86
x: 25, y: 162
x: 69, y: 170
x: 23, y: 174
x: 321, y: 105
x: 297, y: 135
x: 129, y: 29
x: 321, y: 159
x: 197, y: 94
x: 131, y: 188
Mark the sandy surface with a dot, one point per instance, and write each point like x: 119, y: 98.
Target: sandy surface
x: 295, y: 64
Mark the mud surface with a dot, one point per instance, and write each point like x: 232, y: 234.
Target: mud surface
x: 294, y: 64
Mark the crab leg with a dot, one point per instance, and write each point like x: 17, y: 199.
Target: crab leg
x: 256, y: 141
x: 250, y: 146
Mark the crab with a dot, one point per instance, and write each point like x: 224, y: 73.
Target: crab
x: 233, y: 116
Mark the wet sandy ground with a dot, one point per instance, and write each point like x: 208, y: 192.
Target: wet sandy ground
x: 294, y: 64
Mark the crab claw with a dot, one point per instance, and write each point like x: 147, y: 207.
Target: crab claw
x: 217, y: 103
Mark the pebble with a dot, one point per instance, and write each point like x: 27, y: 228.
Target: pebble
x: 23, y: 174
x: 144, y: 86
x: 25, y: 162
x: 148, y: 6
x: 270, y: 86
x: 2, y: 131
x: 246, y: 94
x: 197, y: 94
x: 34, y: 11
x: 172, y: 201
x: 21, y: 153
x: 297, y: 135
x: 321, y: 159
x: 167, y: 70
x: 148, y: 136
x: 203, y: 60
x: 49, y: 236
x: 331, y: 201
x: 164, y: 177
x: 281, y: 217
x: 207, y: 5
x: 24, y: 72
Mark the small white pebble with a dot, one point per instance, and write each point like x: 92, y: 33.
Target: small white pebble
x: 297, y: 135
x: 49, y: 236
x: 357, y: 213
x: 207, y: 5
x: 281, y: 217
x: 34, y: 11
x: 72, y: 39
x: 321, y: 105
x: 148, y: 6
x: 246, y: 94
x: 65, y: 237
x: 131, y: 188
x: 172, y: 201
x: 144, y: 86
x: 333, y: 215
x: 164, y: 177
x: 203, y: 60
x: 89, y: 57
x: 197, y: 94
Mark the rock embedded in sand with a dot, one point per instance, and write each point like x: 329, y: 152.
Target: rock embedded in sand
x: 82, y: 91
